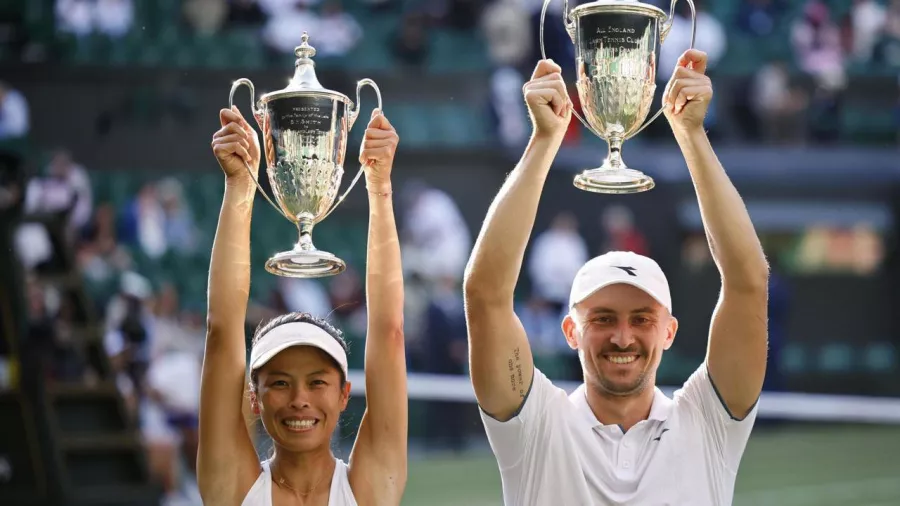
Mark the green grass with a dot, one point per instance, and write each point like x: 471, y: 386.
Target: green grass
x: 791, y: 466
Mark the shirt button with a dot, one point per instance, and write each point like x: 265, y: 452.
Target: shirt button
x: 626, y: 444
x: 626, y: 464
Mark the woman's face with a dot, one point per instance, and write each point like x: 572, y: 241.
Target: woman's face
x: 299, y: 398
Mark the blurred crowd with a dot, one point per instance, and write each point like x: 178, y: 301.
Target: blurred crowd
x: 795, y: 96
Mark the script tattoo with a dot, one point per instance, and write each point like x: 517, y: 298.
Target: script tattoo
x: 518, y: 382
x: 512, y: 375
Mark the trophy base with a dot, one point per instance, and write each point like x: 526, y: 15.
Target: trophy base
x: 610, y: 180
x: 305, y: 264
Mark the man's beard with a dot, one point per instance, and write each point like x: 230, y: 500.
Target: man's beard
x: 610, y: 387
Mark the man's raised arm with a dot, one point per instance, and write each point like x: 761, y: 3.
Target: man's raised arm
x: 500, y: 358
x: 738, y: 339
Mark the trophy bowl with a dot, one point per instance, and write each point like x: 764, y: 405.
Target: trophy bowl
x: 616, y: 53
x: 304, y: 129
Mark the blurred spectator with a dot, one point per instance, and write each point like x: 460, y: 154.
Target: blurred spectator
x: 817, y: 44
x: 888, y: 49
x: 779, y: 104
x: 144, y: 223
x: 206, y: 17
x: 557, y: 42
x: 14, y: 117
x: 555, y: 257
x: 410, y: 44
x: 114, y: 17
x: 507, y: 107
x: 245, y: 13
x: 180, y: 231
x: 338, y: 31
x: 867, y: 18
x: 446, y: 352
x: 80, y: 18
x: 62, y: 196
x: 540, y: 319
x: 75, y: 17
x: 435, y: 238
x: 287, y: 22
x: 128, y: 338
x: 99, y: 256
x: 760, y: 18
x: 710, y: 37
x: 620, y: 231
x: 304, y: 295
x: 508, y: 32
x: 64, y: 169
x: 779, y: 311
x: 173, y: 375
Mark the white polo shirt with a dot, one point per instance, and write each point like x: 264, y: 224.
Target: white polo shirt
x: 556, y: 453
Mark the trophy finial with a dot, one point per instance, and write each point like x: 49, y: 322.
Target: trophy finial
x: 304, y: 50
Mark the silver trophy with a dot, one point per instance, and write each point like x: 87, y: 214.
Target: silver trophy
x: 304, y: 128
x: 616, y: 57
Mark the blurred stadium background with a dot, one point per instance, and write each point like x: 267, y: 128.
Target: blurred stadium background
x: 109, y: 195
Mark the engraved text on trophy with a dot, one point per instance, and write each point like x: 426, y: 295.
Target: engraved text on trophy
x: 616, y: 60
x: 307, y: 132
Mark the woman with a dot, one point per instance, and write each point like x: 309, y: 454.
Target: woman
x: 298, y: 363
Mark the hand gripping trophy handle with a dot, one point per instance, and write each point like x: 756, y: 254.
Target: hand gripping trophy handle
x: 260, y: 120
x: 664, y: 31
x: 354, y: 115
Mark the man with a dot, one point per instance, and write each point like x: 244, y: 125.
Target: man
x: 617, y: 439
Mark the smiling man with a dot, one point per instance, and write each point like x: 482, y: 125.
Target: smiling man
x: 618, y: 439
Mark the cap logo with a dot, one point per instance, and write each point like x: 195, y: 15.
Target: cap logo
x: 629, y: 270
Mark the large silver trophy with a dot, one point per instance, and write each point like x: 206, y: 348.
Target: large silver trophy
x: 304, y: 128
x: 616, y: 57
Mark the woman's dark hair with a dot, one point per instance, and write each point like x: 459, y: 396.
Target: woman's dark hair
x: 298, y: 317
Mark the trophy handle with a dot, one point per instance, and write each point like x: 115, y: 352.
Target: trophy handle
x: 354, y: 115
x: 663, y: 32
x: 570, y: 28
x: 260, y: 118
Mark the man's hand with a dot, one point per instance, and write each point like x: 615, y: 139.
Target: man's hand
x: 688, y: 93
x: 235, y: 144
x: 547, y: 100
x: 377, y: 151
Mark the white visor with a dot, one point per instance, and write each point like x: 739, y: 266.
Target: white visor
x: 296, y: 334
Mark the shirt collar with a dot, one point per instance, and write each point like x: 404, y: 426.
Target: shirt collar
x: 659, y: 409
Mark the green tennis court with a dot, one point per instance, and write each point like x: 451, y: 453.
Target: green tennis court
x: 797, y: 465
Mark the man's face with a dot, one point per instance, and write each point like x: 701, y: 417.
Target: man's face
x: 620, y: 333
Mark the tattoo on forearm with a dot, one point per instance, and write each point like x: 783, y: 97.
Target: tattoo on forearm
x: 516, y: 379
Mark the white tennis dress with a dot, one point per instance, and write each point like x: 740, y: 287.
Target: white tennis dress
x: 341, y: 494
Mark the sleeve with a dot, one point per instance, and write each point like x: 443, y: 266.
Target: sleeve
x: 510, y: 439
x: 720, y: 430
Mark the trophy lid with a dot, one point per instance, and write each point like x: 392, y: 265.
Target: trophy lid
x: 305, y: 82
x: 620, y: 6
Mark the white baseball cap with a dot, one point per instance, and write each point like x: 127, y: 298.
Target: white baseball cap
x: 296, y: 334
x: 621, y: 267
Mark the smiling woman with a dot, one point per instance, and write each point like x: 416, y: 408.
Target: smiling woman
x: 298, y: 363
x: 298, y: 354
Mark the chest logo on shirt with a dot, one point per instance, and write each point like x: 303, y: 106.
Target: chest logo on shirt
x: 657, y: 438
x: 629, y: 270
